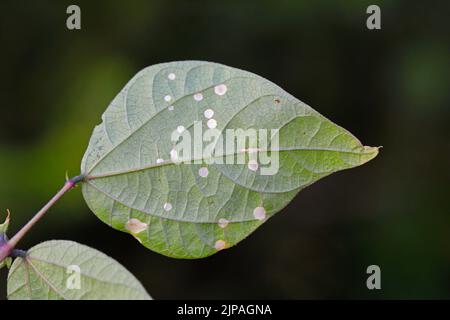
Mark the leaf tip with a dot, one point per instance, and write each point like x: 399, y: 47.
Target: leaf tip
x: 369, y: 153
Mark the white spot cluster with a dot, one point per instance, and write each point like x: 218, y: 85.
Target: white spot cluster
x: 167, y: 206
x: 203, y: 172
x: 135, y: 226
x: 220, y: 89
x: 219, y: 245
x: 259, y: 213
x: 223, y: 223
x: 198, y: 97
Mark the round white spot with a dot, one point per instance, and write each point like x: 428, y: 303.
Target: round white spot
x: 167, y: 98
x: 211, y: 123
x: 209, y: 113
x: 171, y: 76
x: 180, y: 129
x: 259, y: 213
x: 203, y: 172
x: 223, y: 223
x: 167, y: 206
x: 135, y: 226
x: 170, y: 108
x: 198, y: 97
x: 159, y: 160
x: 253, y: 165
x: 220, y: 90
x: 219, y: 245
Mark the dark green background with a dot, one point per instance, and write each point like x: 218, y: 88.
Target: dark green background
x: 388, y: 87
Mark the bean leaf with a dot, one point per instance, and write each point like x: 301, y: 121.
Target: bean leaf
x: 190, y: 204
x: 3, y: 238
x: 66, y: 270
x: 4, y: 226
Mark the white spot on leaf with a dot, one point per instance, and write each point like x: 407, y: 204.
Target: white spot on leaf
x: 203, y: 172
x: 135, y: 226
x: 158, y: 161
x: 167, y: 206
x: 170, y: 108
x: 212, y: 123
x: 209, y: 113
x: 219, y: 245
x: 180, y: 129
x: 198, y: 97
x: 223, y: 223
x: 220, y: 89
x: 253, y: 165
x: 167, y: 98
x: 171, y: 76
x: 259, y: 213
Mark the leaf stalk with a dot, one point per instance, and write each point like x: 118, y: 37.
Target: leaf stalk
x: 7, y: 247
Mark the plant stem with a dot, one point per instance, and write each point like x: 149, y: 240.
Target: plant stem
x: 7, y: 247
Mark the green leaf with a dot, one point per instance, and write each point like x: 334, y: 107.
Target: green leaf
x: 3, y: 229
x: 192, y: 210
x: 7, y: 262
x: 4, y: 226
x: 67, y: 270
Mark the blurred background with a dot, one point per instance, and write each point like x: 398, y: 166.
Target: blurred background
x: 389, y: 87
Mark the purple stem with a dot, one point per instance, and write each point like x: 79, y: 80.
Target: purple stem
x: 7, y: 247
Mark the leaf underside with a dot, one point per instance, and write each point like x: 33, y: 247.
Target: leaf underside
x: 49, y: 272
x: 172, y: 208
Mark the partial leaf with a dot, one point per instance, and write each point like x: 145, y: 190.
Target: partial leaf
x: 4, y: 226
x: 66, y: 270
x: 3, y: 238
x: 135, y: 184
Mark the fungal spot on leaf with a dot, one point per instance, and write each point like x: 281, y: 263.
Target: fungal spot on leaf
x: 171, y: 76
x: 259, y: 213
x: 220, y: 89
x: 167, y: 206
x: 223, y: 223
x: 219, y: 245
x: 253, y: 165
x: 277, y: 100
x: 170, y: 108
x: 180, y: 129
x: 167, y: 98
x: 158, y: 161
x: 135, y: 225
x: 212, y: 123
x: 198, y: 97
x: 209, y: 113
x: 203, y: 172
